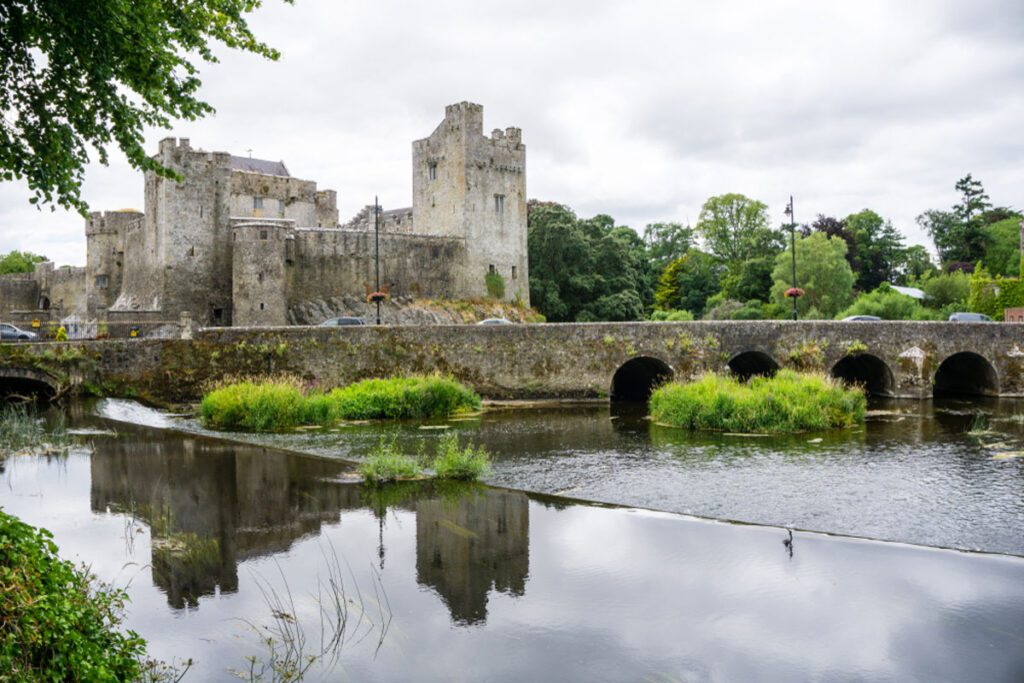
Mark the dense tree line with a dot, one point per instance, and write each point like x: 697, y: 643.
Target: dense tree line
x: 734, y: 263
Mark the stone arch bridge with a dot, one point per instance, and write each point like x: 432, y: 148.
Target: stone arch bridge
x: 621, y: 361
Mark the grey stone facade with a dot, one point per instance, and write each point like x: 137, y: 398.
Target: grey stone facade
x: 240, y: 241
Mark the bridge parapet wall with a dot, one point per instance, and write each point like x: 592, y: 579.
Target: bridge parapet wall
x: 532, y: 361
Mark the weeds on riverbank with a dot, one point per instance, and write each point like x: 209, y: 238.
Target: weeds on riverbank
x: 22, y: 431
x: 788, y: 402
x: 282, y: 404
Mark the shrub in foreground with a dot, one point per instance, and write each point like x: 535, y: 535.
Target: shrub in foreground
x: 56, y: 622
x: 452, y: 462
x: 275, y: 405
x: 788, y: 402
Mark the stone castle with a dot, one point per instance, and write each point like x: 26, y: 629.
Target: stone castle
x: 240, y: 241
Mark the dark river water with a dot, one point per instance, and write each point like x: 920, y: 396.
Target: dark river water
x: 480, y: 583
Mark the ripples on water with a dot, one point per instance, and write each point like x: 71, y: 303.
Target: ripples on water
x: 912, y: 473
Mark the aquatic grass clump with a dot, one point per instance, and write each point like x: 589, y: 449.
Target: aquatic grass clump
x: 788, y: 402
x: 284, y: 403
x: 387, y: 463
x: 402, y: 397
x: 21, y: 430
x: 466, y: 464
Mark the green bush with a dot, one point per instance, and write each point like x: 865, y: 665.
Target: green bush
x: 885, y: 302
x: 495, y: 285
x: 283, y: 404
x: 57, y: 623
x: 452, y: 462
x: 945, y: 289
x: 671, y: 316
x: 788, y: 402
x: 386, y: 463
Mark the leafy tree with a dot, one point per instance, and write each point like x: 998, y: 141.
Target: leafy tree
x: 19, y: 262
x: 688, y: 282
x: 958, y: 233
x: 80, y: 75
x: 943, y: 289
x: 752, y: 280
x: 583, y: 269
x: 1002, y: 247
x: 886, y: 303
x: 735, y: 229
x: 821, y: 271
x: 665, y: 242
x: 916, y: 263
x: 879, y: 249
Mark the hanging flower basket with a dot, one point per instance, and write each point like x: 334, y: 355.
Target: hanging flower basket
x: 794, y: 293
x: 374, y: 297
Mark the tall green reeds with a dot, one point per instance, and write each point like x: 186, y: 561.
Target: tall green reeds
x: 276, y: 405
x: 788, y: 402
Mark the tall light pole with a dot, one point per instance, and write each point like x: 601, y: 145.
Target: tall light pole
x: 376, y: 258
x: 792, y: 247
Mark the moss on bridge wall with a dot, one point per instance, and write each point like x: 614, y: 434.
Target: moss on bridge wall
x: 512, y: 361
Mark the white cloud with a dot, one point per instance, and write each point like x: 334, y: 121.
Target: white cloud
x: 640, y: 110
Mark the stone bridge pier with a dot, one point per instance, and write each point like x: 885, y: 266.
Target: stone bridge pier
x: 617, y: 361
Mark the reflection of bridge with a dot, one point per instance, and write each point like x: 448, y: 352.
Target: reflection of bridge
x: 212, y: 505
x: 621, y: 360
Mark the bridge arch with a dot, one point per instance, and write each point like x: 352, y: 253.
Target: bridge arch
x: 747, y: 364
x: 868, y: 371
x: 21, y: 383
x: 638, y: 377
x: 966, y: 374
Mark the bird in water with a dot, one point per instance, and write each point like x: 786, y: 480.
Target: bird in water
x: 788, y: 542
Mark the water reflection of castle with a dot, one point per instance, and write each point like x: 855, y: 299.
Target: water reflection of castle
x: 211, y: 505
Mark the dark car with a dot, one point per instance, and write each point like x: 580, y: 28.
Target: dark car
x: 495, y: 321
x: 863, y: 318
x: 10, y: 332
x: 969, y: 318
x: 343, y: 321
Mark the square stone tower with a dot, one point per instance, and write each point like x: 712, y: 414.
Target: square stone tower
x: 473, y: 187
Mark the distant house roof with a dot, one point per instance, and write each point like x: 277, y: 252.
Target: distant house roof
x: 250, y: 165
x: 910, y: 291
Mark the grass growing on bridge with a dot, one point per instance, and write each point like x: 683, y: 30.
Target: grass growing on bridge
x: 788, y: 402
x: 269, y: 406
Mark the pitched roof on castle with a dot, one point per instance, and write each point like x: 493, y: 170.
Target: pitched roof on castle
x: 250, y: 165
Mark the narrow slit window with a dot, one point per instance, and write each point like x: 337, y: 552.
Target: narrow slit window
x: 257, y: 203
x: 263, y: 234
x: 499, y: 203
x: 513, y: 272
x: 432, y: 170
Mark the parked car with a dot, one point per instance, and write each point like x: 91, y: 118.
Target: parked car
x: 495, y: 321
x: 969, y: 318
x: 9, y: 332
x: 863, y: 318
x: 343, y: 321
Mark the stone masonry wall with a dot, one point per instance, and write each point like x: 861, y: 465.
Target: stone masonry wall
x: 327, y: 263
x: 520, y: 361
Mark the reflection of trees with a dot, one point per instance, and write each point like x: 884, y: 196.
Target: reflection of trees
x: 211, y: 505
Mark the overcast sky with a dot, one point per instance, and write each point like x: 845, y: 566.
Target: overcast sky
x: 640, y: 110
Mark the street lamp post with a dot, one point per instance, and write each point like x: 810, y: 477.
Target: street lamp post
x: 792, y: 237
x: 376, y: 258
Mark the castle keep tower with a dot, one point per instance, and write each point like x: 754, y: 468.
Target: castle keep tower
x: 472, y: 187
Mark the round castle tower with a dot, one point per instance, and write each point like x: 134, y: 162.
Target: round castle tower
x: 258, y: 286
